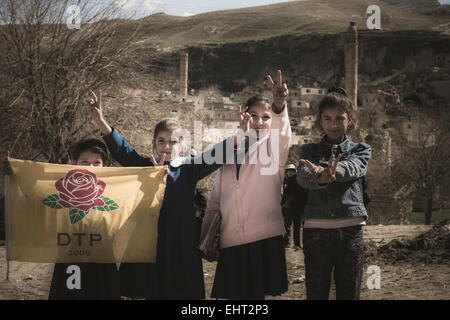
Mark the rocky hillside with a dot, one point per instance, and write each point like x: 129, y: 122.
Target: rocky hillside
x: 306, y: 59
x: 289, y: 18
x: 422, y: 6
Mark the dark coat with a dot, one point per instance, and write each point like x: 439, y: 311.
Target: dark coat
x: 295, y: 195
x: 178, y: 271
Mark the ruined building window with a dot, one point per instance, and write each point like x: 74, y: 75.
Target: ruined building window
x: 320, y: 91
x: 308, y: 91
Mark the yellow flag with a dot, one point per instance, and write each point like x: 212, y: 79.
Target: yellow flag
x: 64, y: 213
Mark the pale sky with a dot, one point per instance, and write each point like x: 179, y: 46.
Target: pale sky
x: 188, y: 7
x: 144, y: 8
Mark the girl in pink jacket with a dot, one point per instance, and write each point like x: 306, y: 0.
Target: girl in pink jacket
x: 247, y: 193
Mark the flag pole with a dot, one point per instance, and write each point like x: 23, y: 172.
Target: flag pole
x: 7, y: 219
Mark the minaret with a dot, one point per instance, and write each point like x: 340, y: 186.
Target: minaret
x: 351, y: 62
x: 183, y: 73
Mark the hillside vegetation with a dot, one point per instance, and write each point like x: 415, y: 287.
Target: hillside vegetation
x: 262, y: 22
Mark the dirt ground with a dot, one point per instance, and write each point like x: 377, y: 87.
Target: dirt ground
x: 404, y: 279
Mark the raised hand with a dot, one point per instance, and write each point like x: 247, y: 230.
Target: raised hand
x: 313, y: 169
x: 280, y: 91
x: 245, y: 119
x: 161, y: 161
x: 95, y: 105
x: 329, y: 174
x: 320, y: 174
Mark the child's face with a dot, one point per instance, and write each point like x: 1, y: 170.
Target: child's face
x: 166, y: 144
x: 89, y: 158
x: 334, y: 122
x: 262, y: 118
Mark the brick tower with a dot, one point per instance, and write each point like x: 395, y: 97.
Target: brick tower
x: 351, y: 62
x: 183, y: 73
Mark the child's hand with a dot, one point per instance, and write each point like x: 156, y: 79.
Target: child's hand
x: 160, y: 163
x: 280, y: 91
x: 313, y: 169
x: 328, y: 175
x: 95, y: 104
x: 6, y: 168
x: 245, y: 119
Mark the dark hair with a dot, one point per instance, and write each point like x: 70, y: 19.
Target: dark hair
x: 337, y: 97
x: 169, y: 124
x: 93, y: 145
x: 255, y: 100
x: 337, y: 90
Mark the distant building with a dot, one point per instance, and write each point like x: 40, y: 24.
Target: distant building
x: 219, y: 103
x: 426, y: 60
x: 304, y: 91
x: 174, y: 114
x: 296, y: 104
x: 304, y: 98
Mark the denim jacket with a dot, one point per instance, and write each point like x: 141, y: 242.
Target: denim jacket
x: 343, y: 197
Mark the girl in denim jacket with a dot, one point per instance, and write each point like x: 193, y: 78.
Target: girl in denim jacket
x: 333, y: 171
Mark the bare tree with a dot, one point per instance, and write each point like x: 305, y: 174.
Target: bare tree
x: 423, y: 156
x: 47, y: 69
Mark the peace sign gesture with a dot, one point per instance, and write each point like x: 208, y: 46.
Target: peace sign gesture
x: 329, y: 174
x: 95, y: 104
x: 315, y: 170
x: 320, y: 174
x: 280, y: 91
x: 245, y: 119
x: 161, y: 161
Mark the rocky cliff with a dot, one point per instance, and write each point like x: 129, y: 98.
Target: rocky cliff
x: 307, y: 59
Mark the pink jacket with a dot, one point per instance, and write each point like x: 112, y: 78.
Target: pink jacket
x: 250, y: 206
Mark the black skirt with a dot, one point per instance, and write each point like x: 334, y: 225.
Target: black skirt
x: 139, y: 280
x: 251, y: 271
x: 177, y: 272
x: 98, y: 281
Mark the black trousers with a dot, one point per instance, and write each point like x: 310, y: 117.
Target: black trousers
x: 292, y: 217
x: 337, y: 251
